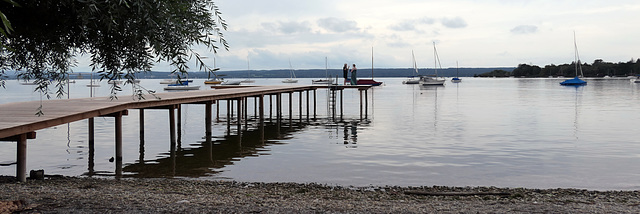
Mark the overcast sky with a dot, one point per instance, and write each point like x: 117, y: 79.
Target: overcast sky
x: 487, y: 33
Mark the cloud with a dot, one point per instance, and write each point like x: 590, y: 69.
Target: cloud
x: 456, y: 22
x: 287, y: 27
x: 338, y: 25
x: 412, y: 24
x: 524, y: 29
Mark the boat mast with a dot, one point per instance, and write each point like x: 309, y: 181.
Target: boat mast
x: 371, y: 62
x: 415, y: 66
x: 326, y: 69
x: 577, y: 56
x: 436, y: 59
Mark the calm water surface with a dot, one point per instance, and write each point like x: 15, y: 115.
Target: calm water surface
x: 481, y: 132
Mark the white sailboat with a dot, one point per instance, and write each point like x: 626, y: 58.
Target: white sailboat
x: 428, y: 80
x: 215, y: 79
x: 414, y: 79
x: 292, y: 75
x: 248, y: 80
x: 92, y: 84
x: 326, y: 71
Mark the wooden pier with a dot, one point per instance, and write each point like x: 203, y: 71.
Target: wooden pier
x: 18, y: 121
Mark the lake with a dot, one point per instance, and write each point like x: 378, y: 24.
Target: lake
x: 504, y: 132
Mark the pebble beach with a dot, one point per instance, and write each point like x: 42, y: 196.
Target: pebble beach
x: 95, y: 195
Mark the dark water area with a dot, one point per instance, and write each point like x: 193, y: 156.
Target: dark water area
x: 482, y: 132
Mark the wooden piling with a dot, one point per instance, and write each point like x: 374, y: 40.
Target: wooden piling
x: 341, y: 105
x: 360, y: 104
x: 290, y: 107
x: 307, y: 104
x: 172, y: 125
x: 239, y: 116
x: 366, y: 104
x: 21, y: 166
x: 118, y: 124
x: 207, y: 121
x: 300, y: 105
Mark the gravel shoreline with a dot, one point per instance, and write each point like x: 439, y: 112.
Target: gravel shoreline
x: 93, y: 195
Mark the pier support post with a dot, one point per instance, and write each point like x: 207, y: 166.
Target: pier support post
x: 270, y: 107
x: 141, y: 118
x: 172, y: 125
x: 21, y: 167
x: 92, y: 147
x: 217, y: 111
x: 228, y: 117
x: 239, y: 116
x: 300, y: 105
x: 246, y: 112
x: 366, y: 104
x: 261, y: 118
x: 307, y: 104
x: 141, y: 147
x: 290, y: 108
x: 118, y: 125
x: 179, y: 130
x: 278, y: 106
x: 360, y: 104
x: 341, y: 105
x: 315, y: 106
x: 207, y: 121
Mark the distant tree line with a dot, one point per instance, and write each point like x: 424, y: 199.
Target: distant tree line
x: 598, y: 68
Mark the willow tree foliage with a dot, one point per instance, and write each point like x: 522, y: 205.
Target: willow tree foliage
x: 42, y: 39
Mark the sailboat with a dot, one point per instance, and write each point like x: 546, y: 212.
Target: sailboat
x: 182, y: 85
x: 428, y: 80
x: 292, y: 74
x: 326, y: 74
x: 413, y: 80
x: 575, y: 81
x: 369, y: 81
x: 215, y: 79
x: 456, y: 79
x: 92, y: 84
x: 248, y: 80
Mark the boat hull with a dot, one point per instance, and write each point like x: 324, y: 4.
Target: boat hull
x: 575, y: 82
x: 321, y: 81
x: 180, y: 87
x: 368, y: 82
x: 411, y: 81
x: 213, y: 82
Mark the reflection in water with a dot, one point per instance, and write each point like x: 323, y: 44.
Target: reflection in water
x: 578, y: 95
x: 433, y: 90
x: 207, y: 157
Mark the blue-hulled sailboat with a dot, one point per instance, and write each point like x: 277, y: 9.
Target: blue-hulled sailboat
x: 576, y: 81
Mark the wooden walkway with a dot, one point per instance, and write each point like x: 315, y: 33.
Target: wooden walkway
x: 18, y: 121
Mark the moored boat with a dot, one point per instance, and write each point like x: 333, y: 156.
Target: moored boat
x: 182, y: 86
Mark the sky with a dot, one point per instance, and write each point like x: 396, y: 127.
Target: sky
x: 267, y: 35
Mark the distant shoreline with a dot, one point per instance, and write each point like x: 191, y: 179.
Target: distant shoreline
x: 307, y: 73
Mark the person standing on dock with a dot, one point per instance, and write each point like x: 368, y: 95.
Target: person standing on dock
x: 345, y: 73
x: 353, y: 75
